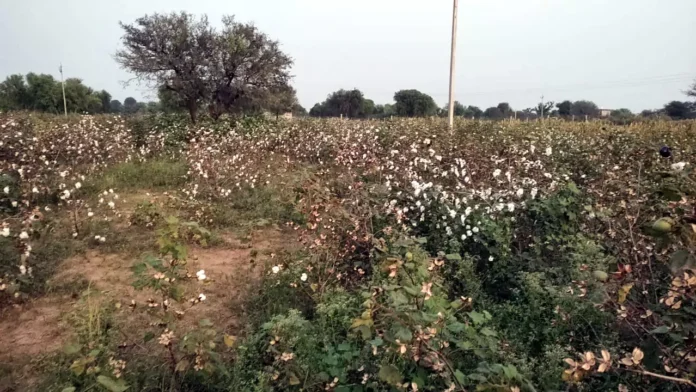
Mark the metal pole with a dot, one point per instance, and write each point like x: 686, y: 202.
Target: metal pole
x: 62, y: 83
x: 452, y: 57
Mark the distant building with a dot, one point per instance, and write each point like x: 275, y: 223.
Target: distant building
x: 605, y: 112
x: 287, y: 116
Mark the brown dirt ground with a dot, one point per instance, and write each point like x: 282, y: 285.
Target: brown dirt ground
x: 39, y: 328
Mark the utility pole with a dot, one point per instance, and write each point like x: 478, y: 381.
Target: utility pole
x: 62, y: 83
x: 452, y: 56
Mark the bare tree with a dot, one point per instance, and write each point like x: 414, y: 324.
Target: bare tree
x: 247, y: 64
x: 173, y: 51
x: 200, y: 65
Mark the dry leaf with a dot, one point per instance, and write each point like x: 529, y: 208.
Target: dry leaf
x: 623, y: 292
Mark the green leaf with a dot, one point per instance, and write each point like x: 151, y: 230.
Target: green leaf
x: 488, y: 332
x: 510, y: 372
x: 476, y: 317
x: 342, y: 388
x: 293, y: 380
x: 456, y: 326
x: 453, y: 257
x: 365, y: 331
x: 390, y: 374
x: 460, y: 376
x: 402, y: 333
x: 72, y: 348
x: 182, y: 365
x: 662, y: 329
x: 398, y: 298
x: 78, y: 366
x: 477, y: 377
x: 148, y: 336
x: 412, y: 290
x: 112, y: 385
x: 376, y: 342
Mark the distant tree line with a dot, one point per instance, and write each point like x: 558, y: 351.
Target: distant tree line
x: 41, y: 92
x: 413, y: 103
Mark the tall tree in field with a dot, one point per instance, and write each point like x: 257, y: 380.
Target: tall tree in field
x: 505, y: 109
x: 348, y: 103
x: 44, y: 93
x: 493, y: 113
x: 280, y: 101
x: 245, y: 63
x: 174, y: 51
x: 201, y: 65
x: 473, y: 111
x: 413, y: 103
x: 14, y: 94
x: 115, y: 106
x: 545, y: 108
x: 130, y: 105
x: 584, y: 108
x: 105, y: 100
x: 678, y: 110
x: 564, y: 108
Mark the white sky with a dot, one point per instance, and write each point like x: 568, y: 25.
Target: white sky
x: 619, y: 53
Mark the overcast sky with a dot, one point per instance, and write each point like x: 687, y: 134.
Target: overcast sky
x: 619, y: 53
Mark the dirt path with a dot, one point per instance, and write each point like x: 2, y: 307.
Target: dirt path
x: 41, y: 327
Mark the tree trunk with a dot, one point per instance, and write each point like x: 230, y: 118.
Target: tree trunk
x: 193, y: 110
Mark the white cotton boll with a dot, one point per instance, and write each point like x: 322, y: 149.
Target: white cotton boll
x: 532, y: 148
x: 534, y: 192
x: 463, y: 237
x: 5, y: 232
x: 14, y: 203
x: 303, y: 277
x: 491, y: 258
x: 23, y: 269
x: 90, y: 214
x: 679, y: 166
x: 475, y: 229
x: 6, y: 190
x: 23, y: 235
x: 200, y: 275
x: 520, y: 192
x: 275, y: 269
x: 102, y: 239
x: 511, y: 207
x: 496, y: 173
x: 111, y: 204
x: 201, y: 297
x: 549, y: 151
x: 78, y: 185
x: 35, y: 190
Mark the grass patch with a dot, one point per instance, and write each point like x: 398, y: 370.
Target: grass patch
x: 152, y: 174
